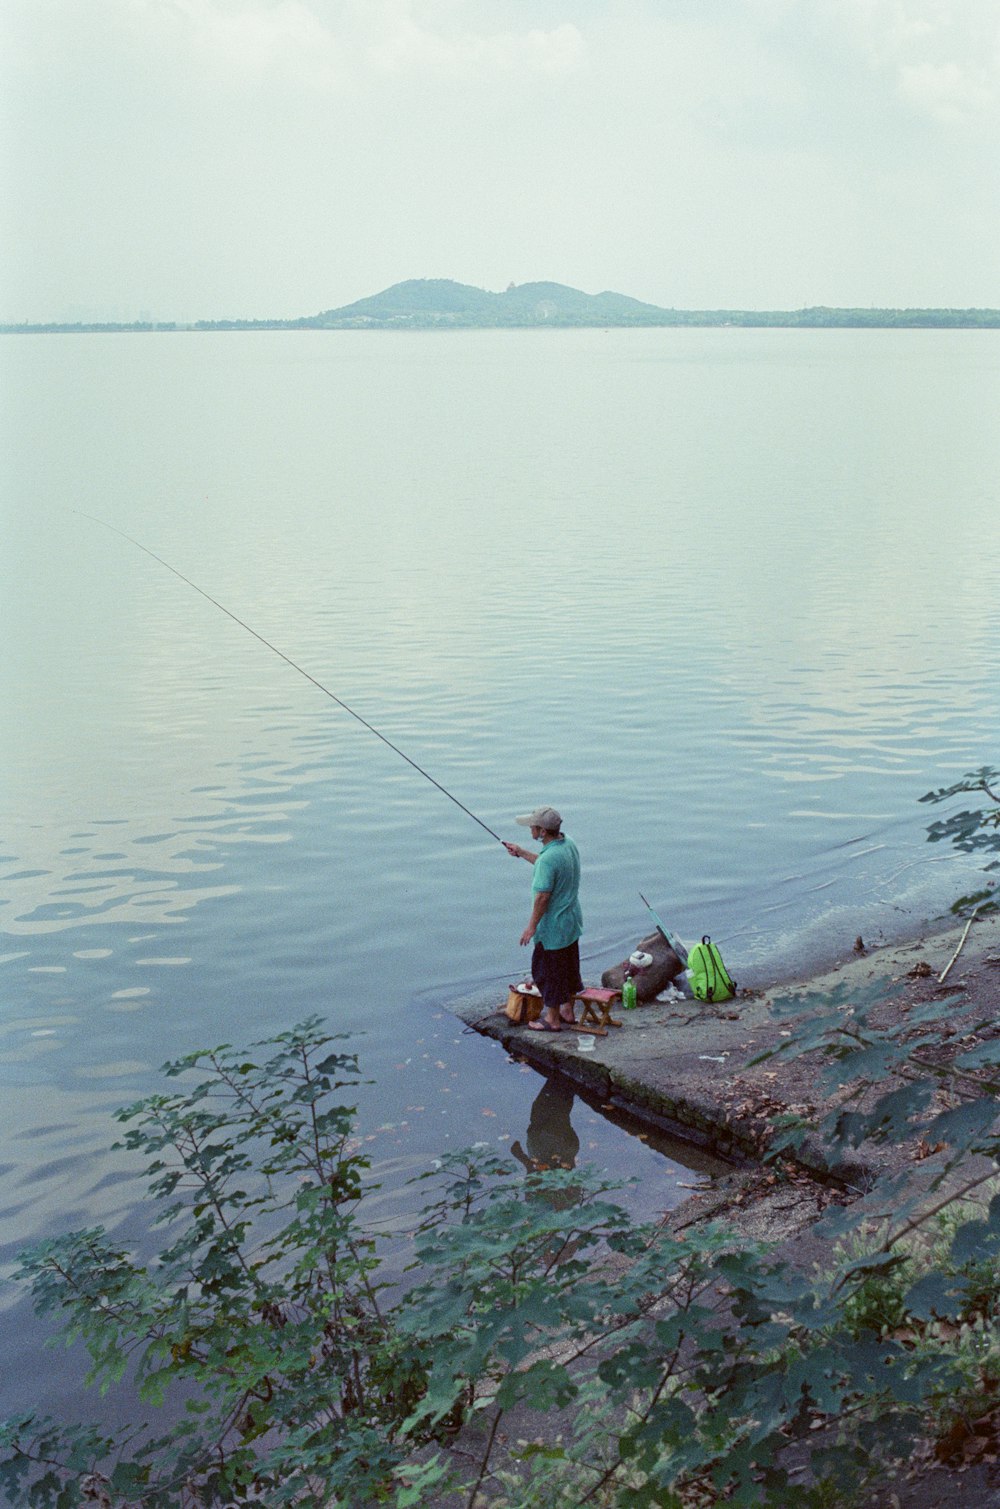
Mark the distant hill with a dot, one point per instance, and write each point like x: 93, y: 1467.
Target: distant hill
x: 423, y: 302
x: 441, y: 304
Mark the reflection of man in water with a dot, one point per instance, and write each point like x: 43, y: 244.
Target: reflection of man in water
x: 551, y: 1140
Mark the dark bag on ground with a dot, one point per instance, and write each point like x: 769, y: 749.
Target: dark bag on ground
x: 710, y: 979
x: 655, y: 977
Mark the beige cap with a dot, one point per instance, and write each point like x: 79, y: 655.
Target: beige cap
x: 542, y: 817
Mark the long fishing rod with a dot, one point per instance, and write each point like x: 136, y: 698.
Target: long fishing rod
x: 288, y: 661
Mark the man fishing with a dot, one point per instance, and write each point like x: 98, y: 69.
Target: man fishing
x: 556, y: 920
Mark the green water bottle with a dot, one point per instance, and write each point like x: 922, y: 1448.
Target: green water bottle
x: 629, y: 998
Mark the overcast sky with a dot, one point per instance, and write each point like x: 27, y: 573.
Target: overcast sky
x: 208, y: 158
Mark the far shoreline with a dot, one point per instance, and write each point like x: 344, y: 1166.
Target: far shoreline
x: 827, y: 319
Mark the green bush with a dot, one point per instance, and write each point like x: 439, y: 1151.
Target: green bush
x: 546, y: 1350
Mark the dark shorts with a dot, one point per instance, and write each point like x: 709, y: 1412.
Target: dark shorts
x: 556, y: 972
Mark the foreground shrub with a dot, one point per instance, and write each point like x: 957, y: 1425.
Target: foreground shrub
x: 547, y: 1352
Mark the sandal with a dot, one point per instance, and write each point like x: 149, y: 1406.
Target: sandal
x: 539, y: 1026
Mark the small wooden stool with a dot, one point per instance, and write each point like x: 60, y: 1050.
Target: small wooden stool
x: 597, y: 1004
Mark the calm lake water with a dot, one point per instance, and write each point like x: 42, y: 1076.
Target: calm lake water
x: 727, y: 598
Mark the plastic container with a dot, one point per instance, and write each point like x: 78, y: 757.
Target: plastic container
x: 586, y: 1043
x: 629, y: 997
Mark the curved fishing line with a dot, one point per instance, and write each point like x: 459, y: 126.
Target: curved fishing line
x: 288, y: 661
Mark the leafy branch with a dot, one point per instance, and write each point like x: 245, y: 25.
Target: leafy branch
x: 973, y: 830
x: 644, y: 1367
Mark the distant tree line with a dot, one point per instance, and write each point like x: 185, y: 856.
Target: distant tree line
x: 819, y: 318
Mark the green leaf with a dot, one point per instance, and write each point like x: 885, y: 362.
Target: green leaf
x: 983, y: 1054
x: 890, y: 1118
x: 935, y: 1295
x: 964, y: 1125
x: 869, y: 1064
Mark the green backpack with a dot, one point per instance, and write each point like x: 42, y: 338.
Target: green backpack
x: 710, y: 979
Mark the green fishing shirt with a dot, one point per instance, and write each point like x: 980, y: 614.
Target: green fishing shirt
x: 557, y: 870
